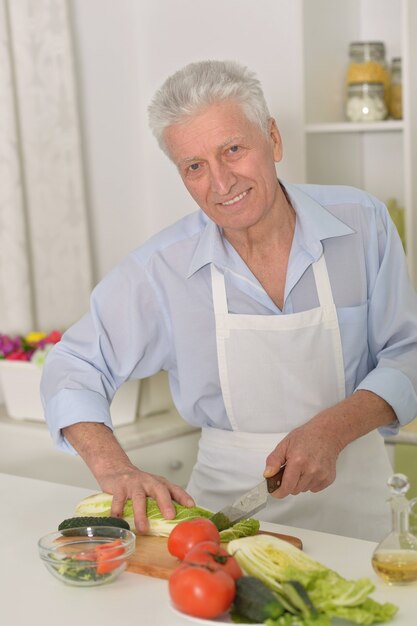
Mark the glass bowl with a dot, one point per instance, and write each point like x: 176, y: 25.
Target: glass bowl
x: 87, y: 556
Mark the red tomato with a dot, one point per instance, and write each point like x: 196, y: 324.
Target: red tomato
x: 200, y: 592
x: 215, y: 557
x: 188, y: 533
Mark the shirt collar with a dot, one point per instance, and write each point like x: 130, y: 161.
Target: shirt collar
x: 314, y: 223
x: 210, y: 248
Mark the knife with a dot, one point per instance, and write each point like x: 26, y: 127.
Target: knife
x: 249, y: 503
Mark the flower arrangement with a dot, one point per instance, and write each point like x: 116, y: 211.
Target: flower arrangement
x: 21, y: 361
x: 32, y: 347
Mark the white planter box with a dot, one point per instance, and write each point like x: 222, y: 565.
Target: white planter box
x: 20, y: 383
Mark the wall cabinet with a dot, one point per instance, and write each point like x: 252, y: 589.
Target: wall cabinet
x: 380, y: 157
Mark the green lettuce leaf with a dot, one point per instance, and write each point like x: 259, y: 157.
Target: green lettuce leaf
x: 331, y: 590
x: 369, y: 612
x: 244, y: 528
x: 298, y: 620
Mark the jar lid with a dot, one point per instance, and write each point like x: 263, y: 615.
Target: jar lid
x: 367, y: 50
x: 366, y: 88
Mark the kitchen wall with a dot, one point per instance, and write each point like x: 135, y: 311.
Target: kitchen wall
x: 125, y: 49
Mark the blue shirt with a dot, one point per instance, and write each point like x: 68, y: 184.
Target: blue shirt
x: 154, y: 311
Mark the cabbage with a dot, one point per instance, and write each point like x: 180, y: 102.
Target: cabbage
x: 99, y: 505
x: 275, y: 561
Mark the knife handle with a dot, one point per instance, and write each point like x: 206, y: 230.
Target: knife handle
x: 275, y: 481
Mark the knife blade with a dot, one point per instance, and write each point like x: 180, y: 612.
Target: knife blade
x: 249, y: 503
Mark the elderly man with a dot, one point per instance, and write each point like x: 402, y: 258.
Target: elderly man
x: 268, y: 308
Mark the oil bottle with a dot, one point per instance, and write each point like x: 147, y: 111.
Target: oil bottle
x: 395, y: 557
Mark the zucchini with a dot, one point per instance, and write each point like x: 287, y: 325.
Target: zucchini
x: 82, y: 522
x: 254, y: 601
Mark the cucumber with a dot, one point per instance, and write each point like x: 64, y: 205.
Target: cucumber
x: 82, y: 522
x: 295, y: 593
x: 254, y: 601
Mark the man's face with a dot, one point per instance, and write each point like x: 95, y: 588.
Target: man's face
x: 227, y: 164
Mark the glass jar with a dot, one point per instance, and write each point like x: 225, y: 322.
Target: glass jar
x: 368, y: 65
x: 395, y: 557
x: 396, y: 96
x: 365, y: 102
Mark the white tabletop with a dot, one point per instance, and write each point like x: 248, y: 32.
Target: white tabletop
x: 30, y: 595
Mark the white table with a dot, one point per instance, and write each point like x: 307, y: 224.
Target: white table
x: 30, y: 595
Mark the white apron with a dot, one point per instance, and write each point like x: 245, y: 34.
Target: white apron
x: 276, y: 372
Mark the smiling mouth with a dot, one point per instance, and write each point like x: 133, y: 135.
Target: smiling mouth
x: 235, y: 199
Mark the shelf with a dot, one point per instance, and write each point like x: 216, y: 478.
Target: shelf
x: 355, y: 127
x: 379, y: 157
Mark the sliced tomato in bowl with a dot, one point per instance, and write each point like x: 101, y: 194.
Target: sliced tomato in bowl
x: 105, y: 554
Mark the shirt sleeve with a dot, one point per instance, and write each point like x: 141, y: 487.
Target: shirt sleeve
x: 392, y: 327
x: 123, y: 336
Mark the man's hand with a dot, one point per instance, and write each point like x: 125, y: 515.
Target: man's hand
x: 116, y: 475
x: 131, y: 482
x: 310, y: 451
x: 310, y: 455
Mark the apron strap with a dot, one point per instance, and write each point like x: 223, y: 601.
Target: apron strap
x: 219, y: 291
x: 222, y: 332
x: 324, y: 290
x: 325, y: 296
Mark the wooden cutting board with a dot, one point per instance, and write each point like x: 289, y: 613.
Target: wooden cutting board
x: 151, y: 557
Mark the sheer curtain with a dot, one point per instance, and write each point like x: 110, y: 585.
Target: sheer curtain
x: 45, y: 252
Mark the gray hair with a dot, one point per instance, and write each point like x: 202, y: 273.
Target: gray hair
x: 200, y: 84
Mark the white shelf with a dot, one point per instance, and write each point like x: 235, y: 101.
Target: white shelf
x: 355, y: 127
x: 380, y: 157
